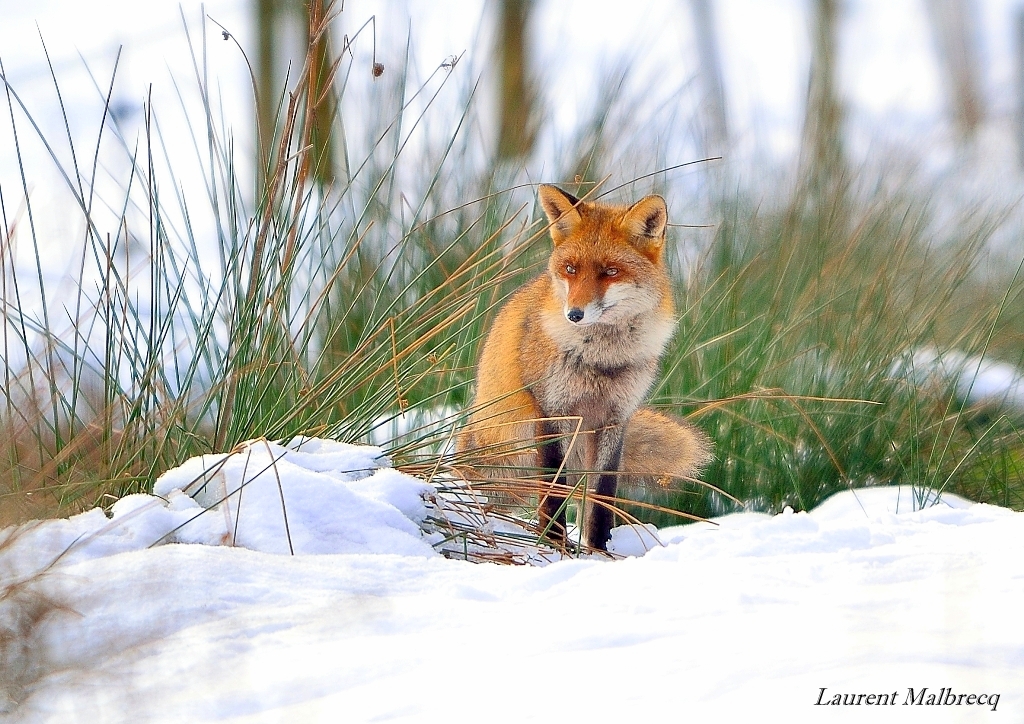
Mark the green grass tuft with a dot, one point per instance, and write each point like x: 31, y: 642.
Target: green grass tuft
x: 278, y: 307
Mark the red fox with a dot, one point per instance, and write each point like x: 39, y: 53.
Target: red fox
x: 578, y: 349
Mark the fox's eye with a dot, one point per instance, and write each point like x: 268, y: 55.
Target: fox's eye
x: 611, y: 272
x: 570, y: 269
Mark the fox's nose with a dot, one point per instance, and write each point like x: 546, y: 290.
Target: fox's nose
x: 575, y: 315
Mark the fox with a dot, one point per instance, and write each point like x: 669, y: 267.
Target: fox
x: 570, y: 358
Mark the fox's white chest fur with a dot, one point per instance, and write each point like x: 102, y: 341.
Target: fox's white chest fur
x: 602, y: 372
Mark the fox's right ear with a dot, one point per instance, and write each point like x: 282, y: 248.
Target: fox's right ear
x: 561, y: 209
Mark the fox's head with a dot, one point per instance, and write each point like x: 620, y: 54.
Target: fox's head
x: 607, y: 265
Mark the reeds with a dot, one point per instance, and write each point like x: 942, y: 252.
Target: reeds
x: 279, y: 306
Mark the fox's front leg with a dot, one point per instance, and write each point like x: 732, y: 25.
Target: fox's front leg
x: 551, y: 510
x: 608, y: 458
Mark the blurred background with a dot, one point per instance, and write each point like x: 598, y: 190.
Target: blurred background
x: 936, y: 83
x: 843, y: 177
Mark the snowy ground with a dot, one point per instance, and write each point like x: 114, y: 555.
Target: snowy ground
x: 367, y: 622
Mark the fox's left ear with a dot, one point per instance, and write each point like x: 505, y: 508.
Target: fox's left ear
x: 647, y: 217
x: 646, y: 221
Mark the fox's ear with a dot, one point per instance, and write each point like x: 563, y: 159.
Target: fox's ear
x: 561, y: 209
x: 646, y: 221
x: 647, y: 217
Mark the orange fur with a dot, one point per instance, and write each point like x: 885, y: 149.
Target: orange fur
x: 578, y: 349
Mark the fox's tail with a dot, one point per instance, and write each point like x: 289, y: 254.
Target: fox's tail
x: 659, y: 447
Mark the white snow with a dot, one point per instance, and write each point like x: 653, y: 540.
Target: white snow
x: 167, y: 611
x: 748, y: 616
x: 978, y: 380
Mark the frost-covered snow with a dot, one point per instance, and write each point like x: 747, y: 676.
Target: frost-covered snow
x: 748, y: 617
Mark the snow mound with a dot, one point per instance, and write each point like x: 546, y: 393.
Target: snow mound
x: 851, y: 521
x: 305, y: 497
x: 880, y: 502
x: 633, y: 540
